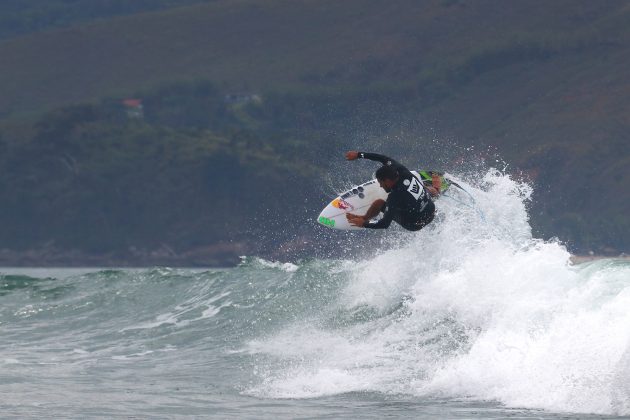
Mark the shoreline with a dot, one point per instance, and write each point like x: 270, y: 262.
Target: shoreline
x: 579, y: 259
x: 214, y: 256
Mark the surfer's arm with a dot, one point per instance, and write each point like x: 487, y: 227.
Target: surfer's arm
x: 378, y: 158
x: 383, y: 223
x: 387, y: 161
x: 353, y: 155
x: 375, y: 208
x: 387, y: 218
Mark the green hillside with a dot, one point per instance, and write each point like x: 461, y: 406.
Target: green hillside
x: 542, y: 84
x: 251, y: 44
x: 19, y: 17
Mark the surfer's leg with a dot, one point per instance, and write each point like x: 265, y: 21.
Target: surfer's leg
x: 423, y: 219
x: 427, y: 215
x: 436, y: 184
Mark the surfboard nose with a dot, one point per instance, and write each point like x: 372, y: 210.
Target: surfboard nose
x: 325, y: 217
x: 323, y: 220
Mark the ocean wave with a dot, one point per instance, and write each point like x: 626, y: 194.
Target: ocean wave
x: 470, y: 307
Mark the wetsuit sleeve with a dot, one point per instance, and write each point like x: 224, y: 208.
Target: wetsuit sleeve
x: 383, y: 223
x: 376, y: 157
x: 388, y: 216
x: 384, y: 160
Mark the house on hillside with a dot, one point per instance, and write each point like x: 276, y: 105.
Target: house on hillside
x: 242, y: 98
x: 133, y: 108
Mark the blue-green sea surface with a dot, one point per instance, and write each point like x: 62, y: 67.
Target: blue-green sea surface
x: 470, y: 318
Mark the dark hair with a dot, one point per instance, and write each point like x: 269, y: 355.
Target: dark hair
x: 386, y: 172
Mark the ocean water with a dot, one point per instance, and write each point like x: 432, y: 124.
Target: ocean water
x: 470, y: 318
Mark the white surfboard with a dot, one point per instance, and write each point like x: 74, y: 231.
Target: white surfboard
x: 356, y: 200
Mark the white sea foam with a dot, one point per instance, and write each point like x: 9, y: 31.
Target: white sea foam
x: 288, y: 267
x: 472, y: 306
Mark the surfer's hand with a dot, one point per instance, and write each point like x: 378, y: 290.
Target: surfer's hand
x: 352, y: 155
x: 355, y: 220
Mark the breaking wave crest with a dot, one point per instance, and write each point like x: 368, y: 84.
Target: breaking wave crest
x: 471, y: 307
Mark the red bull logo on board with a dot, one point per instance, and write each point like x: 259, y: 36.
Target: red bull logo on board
x: 342, y: 204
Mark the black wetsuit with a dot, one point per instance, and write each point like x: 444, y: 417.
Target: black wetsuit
x: 408, y: 203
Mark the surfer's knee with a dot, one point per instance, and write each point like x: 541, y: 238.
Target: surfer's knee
x: 433, y: 191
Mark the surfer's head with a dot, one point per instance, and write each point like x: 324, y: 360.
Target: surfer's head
x: 387, y: 177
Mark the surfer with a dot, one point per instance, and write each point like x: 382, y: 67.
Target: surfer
x: 408, y: 203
